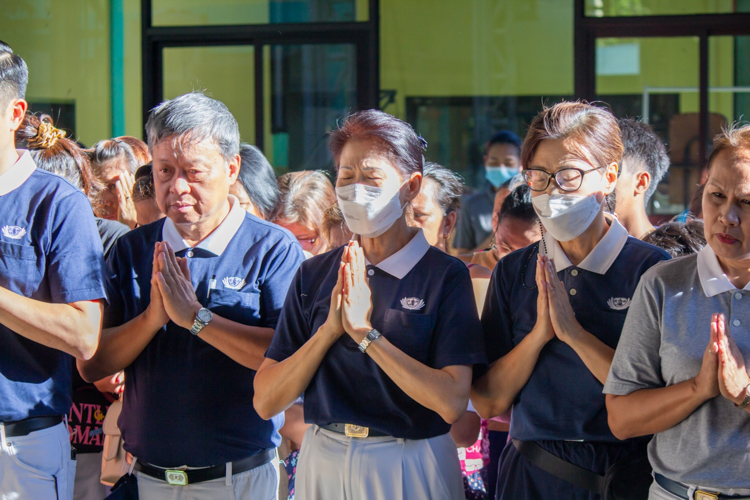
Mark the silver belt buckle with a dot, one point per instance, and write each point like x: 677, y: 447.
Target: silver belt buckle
x: 356, y: 431
x: 176, y: 477
x: 703, y: 495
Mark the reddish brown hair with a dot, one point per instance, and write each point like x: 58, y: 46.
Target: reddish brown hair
x: 396, y: 139
x: 589, y: 132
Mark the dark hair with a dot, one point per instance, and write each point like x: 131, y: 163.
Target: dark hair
x: 143, y: 189
x: 644, y: 149
x: 518, y: 205
x: 678, y: 238
x: 14, y: 75
x: 449, y: 185
x: 112, y: 149
x: 304, y: 198
x: 504, y: 137
x: 396, y: 139
x: 139, y: 148
x: 589, y: 132
x: 696, y: 203
x: 55, y: 153
x: 258, y: 178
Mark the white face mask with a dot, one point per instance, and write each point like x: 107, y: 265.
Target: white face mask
x: 566, y: 216
x: 369, y: 211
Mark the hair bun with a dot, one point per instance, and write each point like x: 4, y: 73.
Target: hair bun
x: 46, y: 137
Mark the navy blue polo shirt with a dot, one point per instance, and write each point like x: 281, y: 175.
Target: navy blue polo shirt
x: 562, y: 399
x: 186, y: 402
x: 50, y: 251
x: 423, y: 303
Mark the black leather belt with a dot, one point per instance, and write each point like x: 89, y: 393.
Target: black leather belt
x: 560, y: 468
x: 180, y: 477
x: 354, y: 430
x: 682, y: 490
x: 28, y: 425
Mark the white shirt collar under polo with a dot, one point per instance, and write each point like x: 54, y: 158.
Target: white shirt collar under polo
x: 217, y: 241
x: 599, y: 260
x: 400, y: 263
x: 16, y: 175
x: 713, y: 279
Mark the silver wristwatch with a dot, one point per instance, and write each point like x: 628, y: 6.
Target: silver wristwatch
x: 202, y: 318
x: 371, y: 335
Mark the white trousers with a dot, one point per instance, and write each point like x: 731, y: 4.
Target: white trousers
x: 333, y: 466
x: 37, y: 466
x: 88, y: 477
x: 261, y: 483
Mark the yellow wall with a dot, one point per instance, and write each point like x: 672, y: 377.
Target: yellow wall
x: 428, y: 48
x: 476, y: 47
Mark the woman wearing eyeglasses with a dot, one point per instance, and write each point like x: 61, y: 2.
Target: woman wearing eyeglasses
x: 555, y: 310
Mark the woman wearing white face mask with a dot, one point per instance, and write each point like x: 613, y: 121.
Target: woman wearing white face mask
x: 380, y: 335
x: 555, y: 310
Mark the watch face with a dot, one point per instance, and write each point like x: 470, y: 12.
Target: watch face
x: 205, y: 315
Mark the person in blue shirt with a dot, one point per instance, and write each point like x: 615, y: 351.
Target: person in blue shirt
x: 380, y: 335
x: 51, y: 288
x: 554, y: 312
x: 501, y: 162
x: 193, y: 301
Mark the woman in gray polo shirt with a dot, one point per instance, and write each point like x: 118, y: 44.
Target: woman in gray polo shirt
x: 679, y: 371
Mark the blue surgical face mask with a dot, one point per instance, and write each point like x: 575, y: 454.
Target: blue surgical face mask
x: 497, y: 176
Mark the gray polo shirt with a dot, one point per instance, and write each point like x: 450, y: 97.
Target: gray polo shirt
x: 665, y: 334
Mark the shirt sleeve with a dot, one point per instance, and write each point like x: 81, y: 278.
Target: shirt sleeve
x: 293, y: 326
x: 497, y: 323
x: 75, y: 264
x: 281, y: 269
x: 457, y: 339
x: 637, y: 364
x: 464, y: 237
x: 114, y: 310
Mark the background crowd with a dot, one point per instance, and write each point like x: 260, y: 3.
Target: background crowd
x: 539, y: 338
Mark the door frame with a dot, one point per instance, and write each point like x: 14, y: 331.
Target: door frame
x: 365, y: 36
x: 702, y: 26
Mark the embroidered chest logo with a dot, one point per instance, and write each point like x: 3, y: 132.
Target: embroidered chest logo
x: 618, y: 303
x: 13, y: 232
x: 412, y: 303
x: 233, y: 282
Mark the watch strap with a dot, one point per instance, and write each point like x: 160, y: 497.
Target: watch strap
x: 198, y: 323
x: 746, y: 400
x: 369, y: 338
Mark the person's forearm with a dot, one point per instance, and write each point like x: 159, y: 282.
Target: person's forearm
x: 649, y: 411
x: 71, y: 328
x: 493, y: 394
x: 465, y: 432
x: 278, y: 384
x: 595, y: 354
x: 119, y: 347
x: 442, y: 392
x: 244, y: 344
x: 294, y: 424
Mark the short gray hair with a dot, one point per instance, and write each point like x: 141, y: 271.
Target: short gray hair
x: 195, y: 117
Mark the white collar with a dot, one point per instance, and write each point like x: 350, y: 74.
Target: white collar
x: 600, y: 259
x: 713, y: 279
x: 217, y: 241
x: 400, y: 263
x: 21, y: 170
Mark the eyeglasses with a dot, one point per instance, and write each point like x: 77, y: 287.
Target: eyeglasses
x: 569, y: 178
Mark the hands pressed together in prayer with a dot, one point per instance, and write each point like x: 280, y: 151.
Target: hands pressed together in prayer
x: 723, y: 370
x: 351, y: 300
x: 555, y: 316
x: 172, y: 293
x: 126, y: 209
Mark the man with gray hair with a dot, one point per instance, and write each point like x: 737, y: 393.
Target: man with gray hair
x: 193, y: 301
x: 644, y: 163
